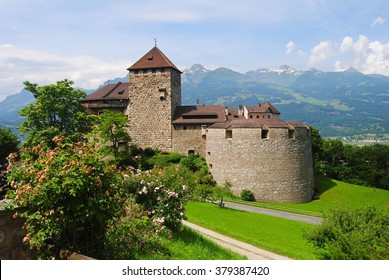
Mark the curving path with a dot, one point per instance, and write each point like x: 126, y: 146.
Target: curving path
x: 242, y: 248
x: 281, y: 214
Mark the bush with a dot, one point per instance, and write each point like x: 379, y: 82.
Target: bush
x: 352, y: 234
x: 66, y: 195
x: 133, y: 236
x: 164, y: 159
x: 247, y: 195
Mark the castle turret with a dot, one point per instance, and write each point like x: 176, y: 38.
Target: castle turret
x: 154, y: 92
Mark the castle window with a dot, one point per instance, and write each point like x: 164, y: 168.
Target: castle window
x: 251, y: 117
x: 268, y: 116
x: 145, y: 72
x: 257, y: 117
x: 264, y: 134
x: 292, y: 134
x: 154, y: 71
x: 228, y: 134
x: 210, y: 166
x: 184, y: 127
x: 136, y: 72
x: 162, y: 70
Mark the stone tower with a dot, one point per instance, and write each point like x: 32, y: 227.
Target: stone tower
x: 154, y: 93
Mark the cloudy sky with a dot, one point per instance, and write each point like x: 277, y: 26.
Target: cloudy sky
x: 89, y: 42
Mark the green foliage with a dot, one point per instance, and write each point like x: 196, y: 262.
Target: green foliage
x: 111, y: 132
x: 8, y: 143
x: 57, y: 111
x: 353, y: 234
x: 131, y: 235
x: 163, y: 159
x: 162, y: 193
x: 247, y: 195
x: 367, y: 165
x: 66, y: 194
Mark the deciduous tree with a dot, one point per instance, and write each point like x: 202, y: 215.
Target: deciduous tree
x: 56, y: 111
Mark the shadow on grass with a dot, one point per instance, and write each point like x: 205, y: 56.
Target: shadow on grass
x: 190, y: 245
x: 322, y: 184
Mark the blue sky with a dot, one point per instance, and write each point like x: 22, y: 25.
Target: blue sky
x: 89, y: 42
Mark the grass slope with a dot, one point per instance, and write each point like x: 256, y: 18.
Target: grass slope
x: 190, y: 245
x: 278, y: 235
x: 333, y: 193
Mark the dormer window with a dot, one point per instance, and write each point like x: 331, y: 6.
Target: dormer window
x: 150, y: 58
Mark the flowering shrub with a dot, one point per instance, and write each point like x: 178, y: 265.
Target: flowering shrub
x: 162, y: 194
x: 66, y: 194
x: 132, y: 235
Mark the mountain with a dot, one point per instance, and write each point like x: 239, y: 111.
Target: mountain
x: 10, y: 106
x: 345, y: 103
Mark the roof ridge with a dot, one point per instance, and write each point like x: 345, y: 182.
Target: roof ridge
x: 115, y: 87
x: 154, y: 58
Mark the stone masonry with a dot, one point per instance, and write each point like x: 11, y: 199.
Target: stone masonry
x: 153, y: 100
x: 276, y: 168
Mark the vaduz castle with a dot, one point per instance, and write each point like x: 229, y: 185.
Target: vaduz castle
x: 250, y: 147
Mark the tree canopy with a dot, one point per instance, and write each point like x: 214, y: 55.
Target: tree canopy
x: 57, y: 110
x: 8, y: 143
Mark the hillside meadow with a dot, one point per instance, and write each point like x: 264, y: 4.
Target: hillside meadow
x: 280, y: 235
x: 331, y: 193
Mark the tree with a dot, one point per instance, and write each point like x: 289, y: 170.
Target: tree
x: 353, y: 234
x: 57, y: 111
x: 8, y: 143
x: 111, y: 132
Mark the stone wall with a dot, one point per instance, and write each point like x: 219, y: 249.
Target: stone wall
x: 192, y: 138
x: 11, y: 238
x: 278, y: 168
x: 153, y: 100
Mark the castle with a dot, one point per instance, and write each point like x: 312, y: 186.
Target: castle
x: 251, y: 147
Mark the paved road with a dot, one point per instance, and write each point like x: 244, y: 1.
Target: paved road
x: 244, y: 249
x: 286, y: 215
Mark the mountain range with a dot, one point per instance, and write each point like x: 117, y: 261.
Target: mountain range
x: 346, y: 103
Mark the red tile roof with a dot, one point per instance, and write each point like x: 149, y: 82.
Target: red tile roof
x: 263, y: 108
x: 200, y: 114
x: 117, y: 91
x: 155, y: 58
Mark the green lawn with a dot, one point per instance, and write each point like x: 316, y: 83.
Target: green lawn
x: 333, y: 193
x: 189, y: 245
x: 275, y: 234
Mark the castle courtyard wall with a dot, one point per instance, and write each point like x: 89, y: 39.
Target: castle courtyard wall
x: 278, y: 168
x: 190, y: 139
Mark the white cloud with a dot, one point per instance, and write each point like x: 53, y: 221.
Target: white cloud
x: 289, y: 47
x: 357, y: 49
x: 322, y: 51
x: 339, y: 67
x: 368, y: 57
x: 19, y: 65
x: 378, y: 21
x: 377, y: 59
